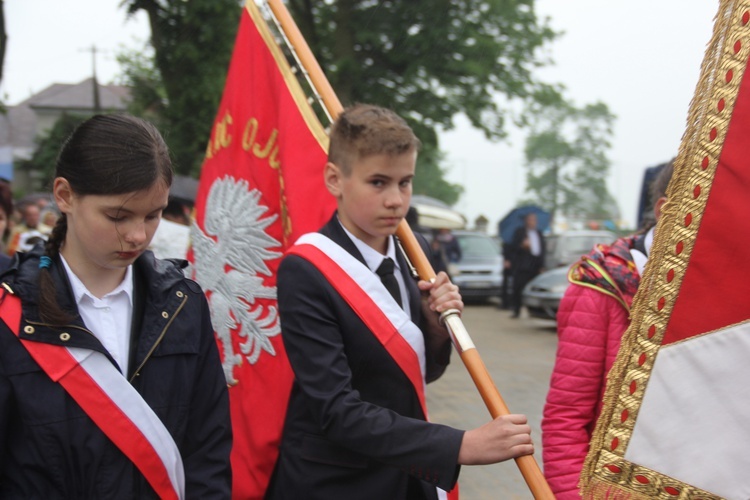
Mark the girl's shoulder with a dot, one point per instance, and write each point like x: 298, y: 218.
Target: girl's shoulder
x: 167, y: 274
x: 21, y: 273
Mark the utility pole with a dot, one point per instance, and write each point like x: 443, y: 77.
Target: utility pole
x: 97, y: 102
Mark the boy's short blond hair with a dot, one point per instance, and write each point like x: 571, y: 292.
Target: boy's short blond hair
x: 365, y: 130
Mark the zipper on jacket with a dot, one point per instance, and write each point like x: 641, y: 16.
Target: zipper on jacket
x: 161, y: 337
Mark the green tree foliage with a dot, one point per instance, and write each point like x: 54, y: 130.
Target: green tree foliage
x: 148, y: 95
x: 566, y: 158
x: 192, y: 42
x: 430, y: 180
x: 429, y: 60
x: 42, y: 163
x: 426, y: 59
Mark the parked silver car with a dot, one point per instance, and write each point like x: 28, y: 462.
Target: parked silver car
x: 478, y: 273
x: 565, y: 248
x: 543, y: 294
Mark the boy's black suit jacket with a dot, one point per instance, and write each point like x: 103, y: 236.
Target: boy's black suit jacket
x: 354, y: 425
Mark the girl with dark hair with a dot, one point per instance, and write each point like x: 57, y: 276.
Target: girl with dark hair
x: 110, y: 380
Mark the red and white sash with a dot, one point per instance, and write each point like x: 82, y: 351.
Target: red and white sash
x: 376, y: 307
x: 366, y: 295
x: 111, y: 402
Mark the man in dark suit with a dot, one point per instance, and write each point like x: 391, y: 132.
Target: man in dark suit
x: 527, y: 250
x: 362, y: 349
x: 506, y: 292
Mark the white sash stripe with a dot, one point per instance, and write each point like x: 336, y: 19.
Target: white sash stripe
x: 371, y: 284
x: 124, y: 395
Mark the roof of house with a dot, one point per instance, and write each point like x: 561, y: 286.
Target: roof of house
x: 65, y: 96
x: 18, y: 126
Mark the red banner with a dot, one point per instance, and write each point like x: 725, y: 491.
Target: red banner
x: 261, y: 187
x: 676, y: 407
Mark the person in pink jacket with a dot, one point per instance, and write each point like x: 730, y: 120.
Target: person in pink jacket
x: 593, y: 315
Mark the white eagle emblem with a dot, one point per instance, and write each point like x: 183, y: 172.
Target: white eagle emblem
x: 230, y: 258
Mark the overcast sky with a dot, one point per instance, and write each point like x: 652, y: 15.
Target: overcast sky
x: 640, y: 57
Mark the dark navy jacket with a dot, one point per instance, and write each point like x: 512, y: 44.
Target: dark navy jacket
x: 50, y: 449
x: 354, y: 426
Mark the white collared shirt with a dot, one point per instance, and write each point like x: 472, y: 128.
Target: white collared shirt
x: 639, y: 259
x: 373, y: 259
x: 535, y: 242
x: 108, y: 318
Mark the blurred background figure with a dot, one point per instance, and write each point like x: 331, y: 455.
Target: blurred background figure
x: 49, y: 216
x: 527, y: 256
x: 507, y: 286
x: 29, y: 231
x: 172, y: 238
x: 6, y: 211
x: 436, y: 255
x: 510, y: 228
x: 448, y: 245
x: 177, y: 212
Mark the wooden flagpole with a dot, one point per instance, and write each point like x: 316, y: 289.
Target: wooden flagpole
x: 461, y: 339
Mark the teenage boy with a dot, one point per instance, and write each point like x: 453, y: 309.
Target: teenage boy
x: 356, y: 421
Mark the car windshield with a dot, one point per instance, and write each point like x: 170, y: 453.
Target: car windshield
x: 473, y: 246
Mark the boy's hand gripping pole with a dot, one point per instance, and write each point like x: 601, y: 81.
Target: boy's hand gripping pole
x: 474, y: 364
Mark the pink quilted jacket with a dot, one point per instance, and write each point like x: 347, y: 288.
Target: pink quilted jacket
x: 590, y: 325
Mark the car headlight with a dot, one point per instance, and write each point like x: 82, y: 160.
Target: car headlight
x: 559, y: 289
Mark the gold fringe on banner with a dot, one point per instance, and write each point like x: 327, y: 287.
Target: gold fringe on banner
x: 606, y: 474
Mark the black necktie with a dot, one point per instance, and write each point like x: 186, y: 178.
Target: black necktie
x: 385, y: 271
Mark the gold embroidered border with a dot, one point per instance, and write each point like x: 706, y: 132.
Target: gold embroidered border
x: 640, y: 482
x: 723, y: 67
x: 300, y: 99
x: 291, y: 81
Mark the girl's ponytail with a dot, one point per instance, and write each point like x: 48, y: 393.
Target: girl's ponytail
x: 49, y: 310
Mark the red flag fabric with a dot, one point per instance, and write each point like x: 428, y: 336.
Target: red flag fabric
x: 261, y: 187
x: 677, y: 402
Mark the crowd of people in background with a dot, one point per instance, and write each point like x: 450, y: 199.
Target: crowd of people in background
x: 23, y: 223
